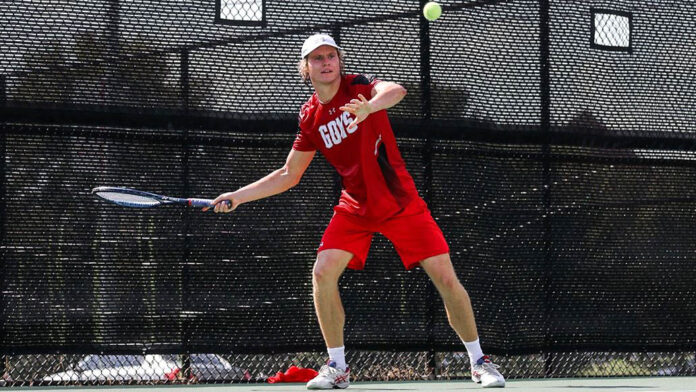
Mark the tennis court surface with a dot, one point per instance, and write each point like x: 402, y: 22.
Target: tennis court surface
x: 644, y: 384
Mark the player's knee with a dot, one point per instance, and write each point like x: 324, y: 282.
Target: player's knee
x: 446, y: 280
x: 326, y: 271
x: 441, y: 272
x: 449, y: 282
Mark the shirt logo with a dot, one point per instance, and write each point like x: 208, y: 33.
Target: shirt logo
x: 332, y: 111
x: 336, y: 130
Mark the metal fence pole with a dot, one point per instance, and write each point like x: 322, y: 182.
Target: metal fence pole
x: 185, y: 173
x: 545, y: 128
x: 426, y: 111
x: 338, y: 182
x: 3, y: 197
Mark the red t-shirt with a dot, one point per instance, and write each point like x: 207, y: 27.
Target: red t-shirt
x: 376, y: 184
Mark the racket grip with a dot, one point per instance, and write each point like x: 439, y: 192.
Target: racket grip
x: 200, y: 203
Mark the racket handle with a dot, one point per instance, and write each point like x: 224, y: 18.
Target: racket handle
x: 200, y: 203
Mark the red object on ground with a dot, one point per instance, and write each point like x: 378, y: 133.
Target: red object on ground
x: 294, y: 374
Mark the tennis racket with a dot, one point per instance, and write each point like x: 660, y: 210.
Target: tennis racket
x: 127, y: 197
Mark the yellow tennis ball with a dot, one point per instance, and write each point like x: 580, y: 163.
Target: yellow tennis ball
x: 432, y: 11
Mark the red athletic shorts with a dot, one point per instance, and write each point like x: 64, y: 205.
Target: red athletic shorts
x: 413, y: 232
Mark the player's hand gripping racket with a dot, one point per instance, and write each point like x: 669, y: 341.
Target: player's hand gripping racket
x: 138, y: 199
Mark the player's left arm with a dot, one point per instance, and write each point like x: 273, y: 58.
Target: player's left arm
x: 384, y: 96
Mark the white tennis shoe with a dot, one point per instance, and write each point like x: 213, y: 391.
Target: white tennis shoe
x: 330, y: 377
x: 486, y: 372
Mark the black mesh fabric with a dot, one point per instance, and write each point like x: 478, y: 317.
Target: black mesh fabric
x: 561, y: 173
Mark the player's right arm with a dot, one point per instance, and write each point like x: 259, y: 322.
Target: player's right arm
x: 276, y: 182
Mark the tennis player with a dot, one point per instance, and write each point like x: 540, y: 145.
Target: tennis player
x: 346, y: 120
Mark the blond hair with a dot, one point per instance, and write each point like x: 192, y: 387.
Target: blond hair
x: 303, y: 66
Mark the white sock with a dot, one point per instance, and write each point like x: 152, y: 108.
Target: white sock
x: 338, y: 355
x: 474, y: 350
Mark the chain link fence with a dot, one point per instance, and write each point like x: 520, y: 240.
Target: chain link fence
x: 42, y: 370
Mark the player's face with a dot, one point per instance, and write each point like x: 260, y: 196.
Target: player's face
x: 324, y: 65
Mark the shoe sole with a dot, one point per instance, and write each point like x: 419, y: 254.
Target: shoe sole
x: 339, y: 386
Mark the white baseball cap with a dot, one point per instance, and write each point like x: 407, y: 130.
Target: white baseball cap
x: 316, y: 41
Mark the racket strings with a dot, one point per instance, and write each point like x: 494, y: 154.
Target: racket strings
x: 128, y: 199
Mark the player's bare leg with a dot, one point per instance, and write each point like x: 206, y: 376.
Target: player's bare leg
x: 457, y: 303
x: 461, y: 317
x: 328, y: 268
